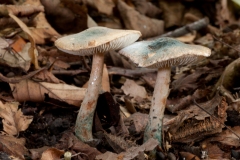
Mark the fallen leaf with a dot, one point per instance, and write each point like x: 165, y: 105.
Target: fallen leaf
x: 28, y: 90
x: 137, y: 122
x: 37, y: 153
x: 13, y: 146
x: 131, y: 153
x: 173, y: 12
x: 13, y: 119
x: 147, y: 8
x: 71, y: 142
x: 66, y: 16
x: 227, y: 138
x: 105, y: 80
x: 188, y: 155
x: 134, y: 90
x: 47, y: 76
x: 32, y: 50
x: 188, y: 38
x: 22, y: 10
x: 132, y: 19
x: 12, y: 56
x: 52, y: 154
x: 103, y: 6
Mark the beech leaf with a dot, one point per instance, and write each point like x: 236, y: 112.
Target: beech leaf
x: 13, y: 119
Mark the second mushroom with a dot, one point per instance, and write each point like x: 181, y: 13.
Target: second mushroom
x: 162, y: 54
x: 94, y: 41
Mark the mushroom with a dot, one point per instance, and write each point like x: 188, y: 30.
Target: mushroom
x: 162, y: 54
x: 94, y: 41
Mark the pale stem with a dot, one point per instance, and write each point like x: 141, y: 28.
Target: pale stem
x: 159, y: 99
x: 83, y: 127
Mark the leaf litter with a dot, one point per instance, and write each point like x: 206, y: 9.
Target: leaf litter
x: 49, y: 99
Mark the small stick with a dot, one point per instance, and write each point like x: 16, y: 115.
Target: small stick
x: 68, y: 72
x: 202, y: 23
x: 18, y: 79
x: 194, y: 101
x: 129, y: 72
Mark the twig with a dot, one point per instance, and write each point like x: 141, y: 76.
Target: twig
x: 18, y: 79
x: 215, y: 118
x: 202, y: 23
x: 129, y: 72
x: 68, y: 72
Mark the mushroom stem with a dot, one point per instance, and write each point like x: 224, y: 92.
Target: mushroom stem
x: 159, y: 99
x: 83, y: 128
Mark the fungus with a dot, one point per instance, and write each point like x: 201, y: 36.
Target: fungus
x: 94, y: 41
x: 162, y: 54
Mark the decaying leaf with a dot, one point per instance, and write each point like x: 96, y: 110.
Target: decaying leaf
x: 13, y: 119
x: 37, y: 153
x: 173, y: 12
x: 134, y: 90
x: 132, y: 19
x: 187, y: 155
x: 71, y: 142
x: 193, y: 124
x: 189, y: 82
x: 13, y: 146
x: 52, y: 154
x: 103, y: 6
x: 119, y: 144
x: 32, y: 50
x: 130, y: 153
x: 147, y: 8
x: 28, y: 90
x: 14, y: 57
x: 227, y: 138
x: 136, y: 123
x: 22, y: 10
x: 47, y: 76
x: 105, y: 79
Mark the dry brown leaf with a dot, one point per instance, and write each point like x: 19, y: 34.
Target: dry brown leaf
x: 134, y: 90
x: 13, y: 57
x: 193, y: 123
x: 33, y: 53
x: 173, y: 12
x: 105, y: 80
x: 13, y: 146
x: 103, y: 6
x: 227, y: 138
x: 132, y: 19
x: 13, y: 119
x: 188, y: 38
x: 131, y: 153
x: 47, y: 76
x: 52, y: 154
x: 188, y: 155
x: 186, y: 82
x: 71, y: 142
x: 214, y: 152
x: 28, y: 90
x: 137, y: 122
x: 147, y: 8
x: 66, y: 16
x: 37, y: 153
x: 21, y: 10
